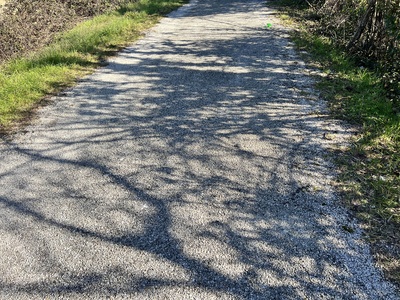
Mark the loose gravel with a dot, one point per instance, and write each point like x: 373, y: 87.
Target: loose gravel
x: 195, y: 165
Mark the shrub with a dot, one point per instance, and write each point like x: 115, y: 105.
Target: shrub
x: 26, y: 25
x: 370, y: 30
x: 89, y: 8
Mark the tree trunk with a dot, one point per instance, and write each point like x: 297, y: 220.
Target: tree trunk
x: 367, y: 18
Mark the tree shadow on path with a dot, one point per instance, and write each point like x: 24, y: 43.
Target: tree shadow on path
x: 184, y: 168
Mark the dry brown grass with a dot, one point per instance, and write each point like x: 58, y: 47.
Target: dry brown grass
x: 26, y: 26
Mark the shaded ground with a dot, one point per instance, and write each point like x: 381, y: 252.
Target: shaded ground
x: 193, y: 166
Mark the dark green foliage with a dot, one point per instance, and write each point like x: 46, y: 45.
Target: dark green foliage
x: 368, y: 29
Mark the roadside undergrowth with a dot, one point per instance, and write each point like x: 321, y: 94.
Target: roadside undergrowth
x: 370, y: 168
x: 26, y: 82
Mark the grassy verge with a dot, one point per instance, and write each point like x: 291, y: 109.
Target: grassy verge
x: 370, y: 168
x: 25, y: 82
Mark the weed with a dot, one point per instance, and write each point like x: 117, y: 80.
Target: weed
x: 370, y: 169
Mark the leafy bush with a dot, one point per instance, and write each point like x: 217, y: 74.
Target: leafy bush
x: 370, y: 30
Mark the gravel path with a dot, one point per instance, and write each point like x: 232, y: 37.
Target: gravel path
x: 193, y: 166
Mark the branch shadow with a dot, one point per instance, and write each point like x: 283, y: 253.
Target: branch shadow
x: 138, y: 183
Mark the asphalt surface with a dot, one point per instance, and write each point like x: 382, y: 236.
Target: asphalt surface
x: 194, y: 166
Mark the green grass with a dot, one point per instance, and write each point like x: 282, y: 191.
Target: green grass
x: 370, y: 168
x: 26, y: 82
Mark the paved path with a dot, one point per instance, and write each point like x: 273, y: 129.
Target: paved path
x: 193, y: 166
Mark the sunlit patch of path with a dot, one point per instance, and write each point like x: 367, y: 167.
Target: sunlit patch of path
x: 193, y: 166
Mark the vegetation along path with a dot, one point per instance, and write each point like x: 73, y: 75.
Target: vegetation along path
x: 194, y: 165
